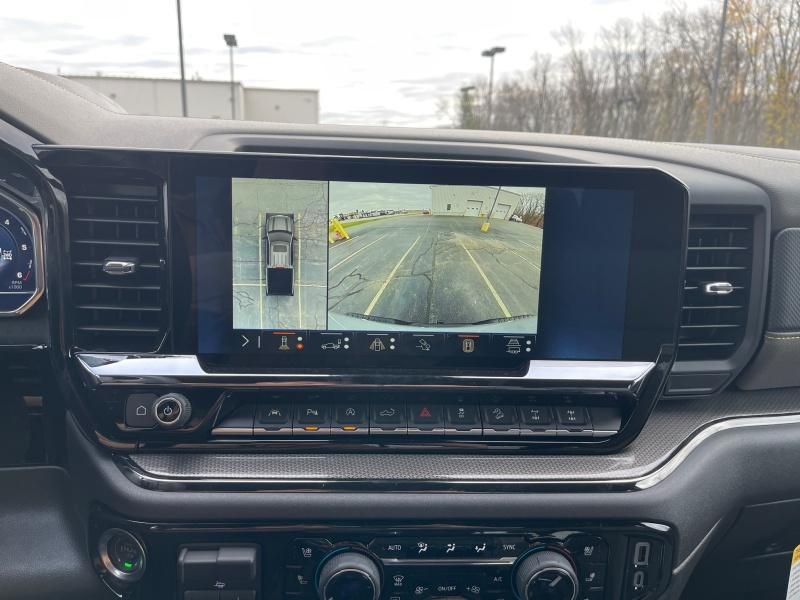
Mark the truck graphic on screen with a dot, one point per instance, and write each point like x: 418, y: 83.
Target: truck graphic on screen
x: 278, y: 240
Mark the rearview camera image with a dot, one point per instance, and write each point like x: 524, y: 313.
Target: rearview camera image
x: 279, y: 253
x: 450, y: 257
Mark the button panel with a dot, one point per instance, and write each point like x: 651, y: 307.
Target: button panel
x: 362, y: 416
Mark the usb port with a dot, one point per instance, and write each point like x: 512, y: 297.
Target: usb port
x: 638, y: 581
x: 641, y: 554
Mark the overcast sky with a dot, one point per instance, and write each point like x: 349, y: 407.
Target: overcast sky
x: 374, y: 63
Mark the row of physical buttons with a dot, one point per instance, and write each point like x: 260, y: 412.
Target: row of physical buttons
x: 406, y: 583
x: 437, y: 547
x: 418, y: 418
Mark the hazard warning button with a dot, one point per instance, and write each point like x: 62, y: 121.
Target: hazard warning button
x: 425, y: 419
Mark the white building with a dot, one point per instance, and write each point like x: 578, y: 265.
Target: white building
x: 473, y: 201
x: 206, y: 99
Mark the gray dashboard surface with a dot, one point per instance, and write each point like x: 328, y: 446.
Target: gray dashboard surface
x: 670, y: 425
x: 43, y: 551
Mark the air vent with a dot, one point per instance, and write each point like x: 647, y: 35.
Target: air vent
x: 118, y: 256
x: 717, y: 289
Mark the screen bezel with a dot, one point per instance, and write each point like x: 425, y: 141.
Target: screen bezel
x: 656, y: 262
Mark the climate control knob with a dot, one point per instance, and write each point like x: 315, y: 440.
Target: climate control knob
x: 545, y: 575
x: 349, y: 576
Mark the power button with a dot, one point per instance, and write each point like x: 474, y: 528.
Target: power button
x: 122, y: 555
x: 172, y: 410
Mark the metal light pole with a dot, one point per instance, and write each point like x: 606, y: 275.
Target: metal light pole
x: 230, y: 39
x: 184, y: 109
x: 490, y: 53
x: 467, y: 119
x: 712, y: 100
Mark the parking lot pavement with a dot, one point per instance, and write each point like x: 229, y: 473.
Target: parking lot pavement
x: 435, y: 270
x: 307, y: 201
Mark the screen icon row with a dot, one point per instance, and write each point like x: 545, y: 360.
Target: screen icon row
x: 384, y: 343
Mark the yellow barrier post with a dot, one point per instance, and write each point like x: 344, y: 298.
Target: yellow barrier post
x: 337, y: 232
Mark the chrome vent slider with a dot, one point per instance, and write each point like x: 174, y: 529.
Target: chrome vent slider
x: 718, y: 288
x: 120, y: 266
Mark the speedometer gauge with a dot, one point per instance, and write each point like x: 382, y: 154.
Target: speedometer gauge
x: 20, y: 275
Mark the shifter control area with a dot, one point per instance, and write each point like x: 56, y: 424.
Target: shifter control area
x: 219, y: 572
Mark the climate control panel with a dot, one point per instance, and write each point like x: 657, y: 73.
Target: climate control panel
x: 433, y: 565
x: 261, y: 562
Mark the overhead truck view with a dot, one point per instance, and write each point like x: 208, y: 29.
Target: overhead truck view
x: 279, y: 253
x: 278, y: 231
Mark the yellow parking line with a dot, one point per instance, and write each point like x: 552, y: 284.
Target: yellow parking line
x: 261, y: 274
x: 487, y: 282
x: 389, y: 278
x: 299, y: 295
x: 344, y: 260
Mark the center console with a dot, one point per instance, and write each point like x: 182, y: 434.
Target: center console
x: 303, y: 307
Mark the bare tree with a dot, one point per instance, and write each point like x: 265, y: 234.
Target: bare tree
x: 651, y: 79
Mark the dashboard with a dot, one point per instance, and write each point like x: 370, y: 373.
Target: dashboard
x: 258, y: 361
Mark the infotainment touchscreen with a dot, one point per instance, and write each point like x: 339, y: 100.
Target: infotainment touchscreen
x: 361, y: 260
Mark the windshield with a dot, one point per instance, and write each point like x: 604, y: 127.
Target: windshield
x: 279, y: 224
x: 722, y: 71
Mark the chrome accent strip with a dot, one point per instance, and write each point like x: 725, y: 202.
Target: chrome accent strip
x: 155, y: 482
x: 152, y: 369
x: 38, y: 255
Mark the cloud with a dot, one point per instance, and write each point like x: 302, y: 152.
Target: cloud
x: 446, y: 78
x: 260, y: 50
x: 29, y: 26
x: 120, y: 66
x: 330, y: 41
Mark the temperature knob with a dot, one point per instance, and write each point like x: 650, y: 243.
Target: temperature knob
x: 349, y: 576
x: 545, y: 575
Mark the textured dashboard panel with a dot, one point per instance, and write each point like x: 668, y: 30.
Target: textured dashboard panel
x: 775, y: 365
x: 670, y: 425
x: 784, y: 305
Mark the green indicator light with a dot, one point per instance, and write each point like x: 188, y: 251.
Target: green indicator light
x: 128, y: 565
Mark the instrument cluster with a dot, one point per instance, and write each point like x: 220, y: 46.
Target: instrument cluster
x: 21, y: 276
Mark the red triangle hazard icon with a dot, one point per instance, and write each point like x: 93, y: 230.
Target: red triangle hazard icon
x: 425, y: 412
